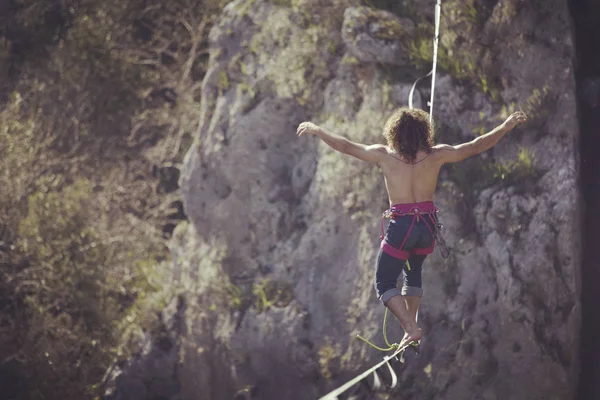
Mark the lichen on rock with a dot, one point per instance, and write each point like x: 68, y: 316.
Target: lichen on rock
x: 376, y: 35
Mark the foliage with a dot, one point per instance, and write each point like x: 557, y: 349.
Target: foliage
x: 515, y: 170
x: 78, y: 283
x: 420, y: 51
x: 537, y: 106
x: 393, y: 6
x: 460, y: 52
x: 99, y: 95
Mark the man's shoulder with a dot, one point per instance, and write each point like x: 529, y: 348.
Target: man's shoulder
x: 379, y: 147
x: 441, y: 146
x: 441, y: 151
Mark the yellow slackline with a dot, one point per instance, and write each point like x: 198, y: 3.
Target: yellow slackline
x: 393, y: 346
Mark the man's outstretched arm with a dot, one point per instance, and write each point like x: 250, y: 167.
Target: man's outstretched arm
x: 482, y: 143
x: 370, y: 153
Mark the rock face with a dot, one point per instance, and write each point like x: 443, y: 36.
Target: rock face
x: 277, y: 262
x: 376, y: 36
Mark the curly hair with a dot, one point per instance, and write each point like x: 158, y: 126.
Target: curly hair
x: 407, y: 131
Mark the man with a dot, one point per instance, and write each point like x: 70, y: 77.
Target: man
x: 410, y: 163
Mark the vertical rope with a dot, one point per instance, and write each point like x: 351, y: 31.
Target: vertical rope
x: 438, y: 10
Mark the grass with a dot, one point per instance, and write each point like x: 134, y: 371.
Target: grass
x: 223, y: 82
x: 420, y: 52
x: 537, y: 106
x: 511, y: 171
x: 459, y: 53
x: 481, y: 128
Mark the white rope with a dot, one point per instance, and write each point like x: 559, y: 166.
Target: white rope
x: 412, y: 89
x: 333, y: 395
x: 438, y: 9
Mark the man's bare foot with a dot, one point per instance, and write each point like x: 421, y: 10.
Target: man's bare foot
x: 412, y: 336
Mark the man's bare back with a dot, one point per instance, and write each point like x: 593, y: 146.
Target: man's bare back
x: 408, y: 182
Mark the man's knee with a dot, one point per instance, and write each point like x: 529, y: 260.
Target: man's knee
x: 413, y: 291
x: 388, y: 294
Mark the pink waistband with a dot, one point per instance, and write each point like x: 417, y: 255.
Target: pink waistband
x: 423, y: 207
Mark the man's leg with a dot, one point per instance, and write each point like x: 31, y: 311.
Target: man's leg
x: 412, y: 332
x: 412, y: 305
x: 386, y: 284
x: 412, y: 287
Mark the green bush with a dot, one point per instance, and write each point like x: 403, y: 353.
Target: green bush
x: 78, y: 285
x: 80, y: 216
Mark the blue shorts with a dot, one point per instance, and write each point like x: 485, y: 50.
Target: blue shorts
x: 410, y: 236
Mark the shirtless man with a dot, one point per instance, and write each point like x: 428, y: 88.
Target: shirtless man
x: 410, y: 163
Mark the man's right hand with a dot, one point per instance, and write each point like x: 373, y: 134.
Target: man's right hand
x: 307, y: 128
x: 515, y: 119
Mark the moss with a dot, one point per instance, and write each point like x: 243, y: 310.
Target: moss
x: 386, y: 90
x: 487, y: 85
x: 350, y: 60
x: 481, y: 127
x: 296, y: 65
x: 223, y: 82
x: 235, y: 296
x: 282, y: 3
x: 459, y: 53
x: 521, y: 168
x: 216, y: 53
x: 475, y: 174
x: 383, y: 26
x: 243, y: 68
x: 332, y: 47
x: 328, y: 355
x: 234, y: 66
x: 537, y: 106
x: 244, y: 7
x: 272, y: 293
x: 389, y: 29
x: 420, y: 52
x: 394, y: 6
x: 245, y: 88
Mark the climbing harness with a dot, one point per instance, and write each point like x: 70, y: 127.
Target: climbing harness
x: 417, y: 214
x: 440, y: 242
x: 433, y: 225
x: 398, y: 351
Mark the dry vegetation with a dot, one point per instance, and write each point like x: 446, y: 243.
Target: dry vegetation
x: 98, y: 103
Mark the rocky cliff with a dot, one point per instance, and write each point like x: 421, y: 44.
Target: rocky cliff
x: 275, y: 267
